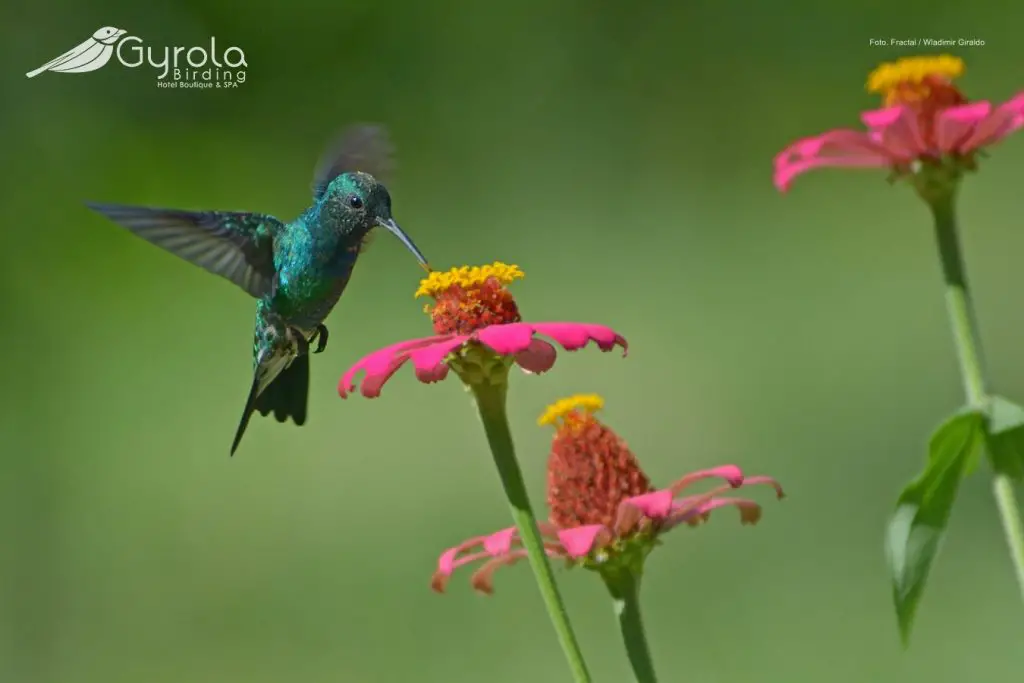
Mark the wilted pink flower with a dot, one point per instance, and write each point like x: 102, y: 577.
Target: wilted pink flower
x: 604, y: 515
x: 926, y: 119
x: 479, y: 332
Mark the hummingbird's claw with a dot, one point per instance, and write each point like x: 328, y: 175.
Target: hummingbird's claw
x: 321, y: 338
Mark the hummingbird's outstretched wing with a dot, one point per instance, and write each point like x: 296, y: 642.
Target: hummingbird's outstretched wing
x: 362, y: 147
x: 234, y: 245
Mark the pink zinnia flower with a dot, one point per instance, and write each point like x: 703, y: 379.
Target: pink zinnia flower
x: 604, y: 514
x: 926, y: 121
x: 479, y: 334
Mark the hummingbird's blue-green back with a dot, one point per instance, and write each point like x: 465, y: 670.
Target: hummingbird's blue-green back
x: 297, y: 270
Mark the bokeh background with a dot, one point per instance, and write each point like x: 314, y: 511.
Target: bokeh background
x: 621, y: 154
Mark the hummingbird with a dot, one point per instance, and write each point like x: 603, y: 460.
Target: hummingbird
x: 296, y: 270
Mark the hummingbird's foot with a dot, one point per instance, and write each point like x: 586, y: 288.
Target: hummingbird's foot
x: 321, y: 338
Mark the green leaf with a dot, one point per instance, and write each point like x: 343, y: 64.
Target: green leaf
x: 1004, y: 436
x: 915, y: 530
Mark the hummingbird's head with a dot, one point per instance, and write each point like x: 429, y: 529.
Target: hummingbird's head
x: 358, y: 203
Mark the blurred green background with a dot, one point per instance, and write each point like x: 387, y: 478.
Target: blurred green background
x: 620, y: 153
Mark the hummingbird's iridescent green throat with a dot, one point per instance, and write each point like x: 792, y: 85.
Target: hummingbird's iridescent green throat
x: 297, y: 271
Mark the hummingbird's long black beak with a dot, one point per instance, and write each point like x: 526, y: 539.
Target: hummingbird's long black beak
x: 391, y: 226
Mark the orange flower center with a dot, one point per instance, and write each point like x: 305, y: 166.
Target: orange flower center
x: 932, y: 93
x: 590, y: 470
x: 923, y: 84
x: 468, y: 299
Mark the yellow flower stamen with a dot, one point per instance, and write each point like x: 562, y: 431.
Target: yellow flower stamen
x: 438, y: 282
x: 913, y: 70
x: 591, y: 403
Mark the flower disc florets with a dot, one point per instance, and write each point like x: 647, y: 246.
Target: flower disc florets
x: 590, y: 469
x: 925, y: 82
x: 468, y: 299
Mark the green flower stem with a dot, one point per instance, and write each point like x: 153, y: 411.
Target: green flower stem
x: 625, y: 590
x: 490, y: 400
x: 968, y: 347
x: 1010, y: 513
x: 958, y: 303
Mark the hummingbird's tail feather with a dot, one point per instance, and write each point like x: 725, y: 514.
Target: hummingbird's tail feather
x: 288, y: 395
x: 250, y: 405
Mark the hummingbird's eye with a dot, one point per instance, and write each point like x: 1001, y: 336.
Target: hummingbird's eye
x: 355, y: 201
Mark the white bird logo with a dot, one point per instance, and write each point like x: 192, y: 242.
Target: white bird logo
x: 89, y: 56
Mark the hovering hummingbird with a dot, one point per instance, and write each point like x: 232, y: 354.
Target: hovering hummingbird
x: 297, y: 270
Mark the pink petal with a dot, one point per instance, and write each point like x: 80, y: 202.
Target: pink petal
x: 579, y: 541
x: 538, y: 357
x: 627, y: 518
x: 840, y: 142
x: 446, y: 562
x: 428, y: 361
x: 483, y: 578
x: 730, y: 473
x: 506, y: 340
x: 432, y: 374
x: 692, y: 508
x: 574, y: 336
x: 372, y: 384
x: 500, y: 542
x: 450, y: 560
x: 656, y: 504
x: 447, y: 565
x: 750, y: 512
x: 381, y: 365
x: 900, y: 132
x: 784, y: 177
x: 879, y: 119
x: 769, y: 481
x: 453, y: 558
x: 955, y: 125
x: 493, y: 544
x: 1006, y: 119
x: 835, y: 149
